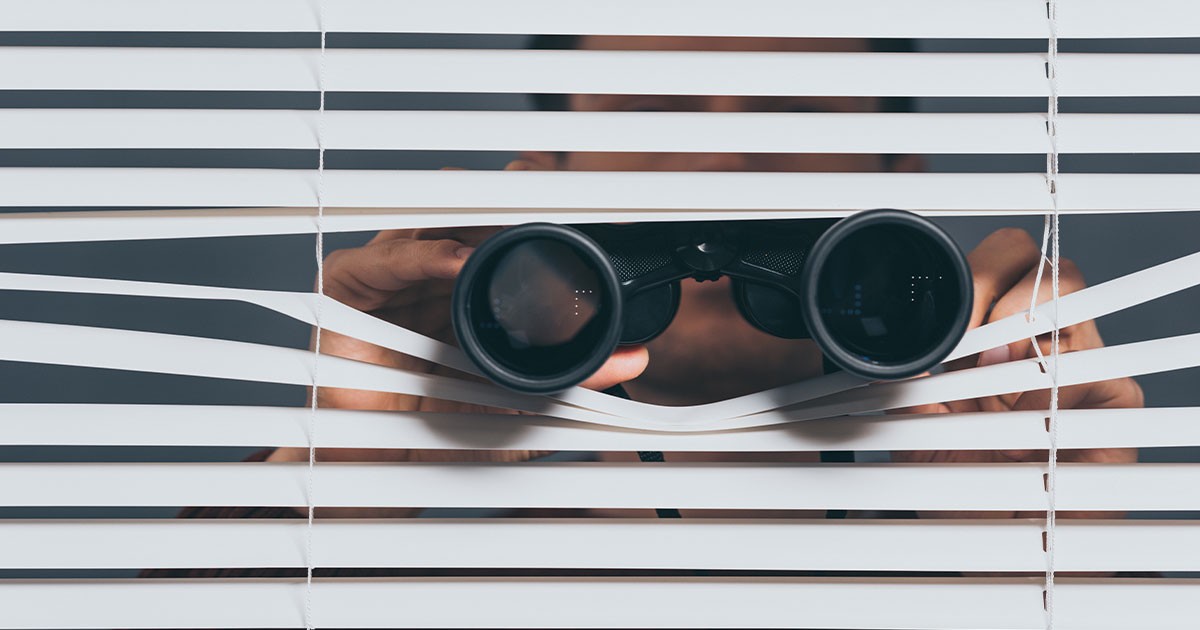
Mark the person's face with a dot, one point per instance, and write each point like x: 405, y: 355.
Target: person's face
x: 764, y: 162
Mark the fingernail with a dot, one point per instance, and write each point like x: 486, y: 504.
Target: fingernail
x: 464, y: 252
x: 994, y: 356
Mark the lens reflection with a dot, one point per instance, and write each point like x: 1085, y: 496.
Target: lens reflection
x: 885, y: 294
x: 540, y: 309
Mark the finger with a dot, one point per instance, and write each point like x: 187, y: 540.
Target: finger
x: 993, y: 356
x: 437, y: 292
x: 392, y: 235
x: 1039, y: 400
x: 998, y: 263
x: 1081, y: 336
x: 1016, y: 299
x: 929, y: 409
x: 366, y: 277
x: 626, y: 364
x: 1121, y: 393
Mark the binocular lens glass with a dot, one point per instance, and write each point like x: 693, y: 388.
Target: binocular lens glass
x: 886, y: 295
x: 540, y: 308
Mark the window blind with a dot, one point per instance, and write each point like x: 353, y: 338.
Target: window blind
x: 867, y: 562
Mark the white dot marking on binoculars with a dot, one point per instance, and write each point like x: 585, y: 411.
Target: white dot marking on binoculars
x: 577, y: 292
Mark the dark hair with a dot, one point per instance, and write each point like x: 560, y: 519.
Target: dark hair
x: 558, y: 102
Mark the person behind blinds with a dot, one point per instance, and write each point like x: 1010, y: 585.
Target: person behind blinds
x: 709, y: 352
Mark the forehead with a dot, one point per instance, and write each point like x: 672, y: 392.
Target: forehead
x: 728, y: 44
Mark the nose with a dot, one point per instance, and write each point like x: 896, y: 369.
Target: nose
x: 724, y: 161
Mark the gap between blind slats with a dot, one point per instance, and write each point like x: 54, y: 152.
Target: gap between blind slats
x: 748, y: 18
x: 779, y: 545
x: 1005, y: 487
x: 598, y: 72
x: 831, y: 603
x: 523, y: 193
x: 231, y: 426
x: 95, y: 347
x: 598, y: 131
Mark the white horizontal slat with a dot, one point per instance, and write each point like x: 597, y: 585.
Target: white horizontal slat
x: 562, y: 485
x: 598, y: 72
x: 778, y: 544
x: 1128, y: 487
x: 522, y: 191
x: 1128, y: 75
x: 597, y: 131
x: 831, y: 603
x: 1117, y: 133
x: 757, y: 18
x: 852, y: 545
x: 1120, y: 18
x: 1131, y: 545
x: 518, y: 190
x: 1123, y: 604
x: 209, y: 425
x: 121, y: 225
x: 543, y: 131
x: 1140, y: 486
x: 760, y: 18
x: 658, y: 602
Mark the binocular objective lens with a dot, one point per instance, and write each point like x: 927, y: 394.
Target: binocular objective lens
x: 889, y: 293
x: 540, y: 308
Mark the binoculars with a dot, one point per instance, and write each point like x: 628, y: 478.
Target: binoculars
x: 539, y: 307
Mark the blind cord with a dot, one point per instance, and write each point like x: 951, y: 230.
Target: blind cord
x: 320, y: 254
x: 1050, y: 236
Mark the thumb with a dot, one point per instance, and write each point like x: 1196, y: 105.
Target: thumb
x: 1002, y: 354
x: 625, y: 364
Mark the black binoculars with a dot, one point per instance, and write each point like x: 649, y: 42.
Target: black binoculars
x: 539, y: 307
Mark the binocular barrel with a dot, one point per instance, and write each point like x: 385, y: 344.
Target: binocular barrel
x: 885, y: 294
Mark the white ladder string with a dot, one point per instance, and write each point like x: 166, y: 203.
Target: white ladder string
x: 1050, y: 236
x: 320, y: 289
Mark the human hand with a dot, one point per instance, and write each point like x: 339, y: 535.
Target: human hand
x: 1005, y: 267
x: 406, y: 277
